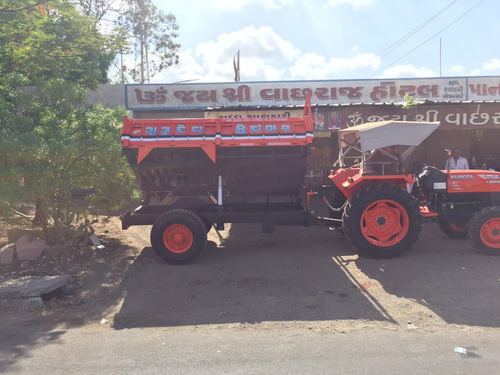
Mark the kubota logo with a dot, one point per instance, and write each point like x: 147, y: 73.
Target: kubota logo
x: 462, y: 177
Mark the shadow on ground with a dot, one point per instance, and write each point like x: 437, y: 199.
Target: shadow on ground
x: 290, y: 276
x: 97, y: 282
x: 254, y: 277
x: 458, y: 284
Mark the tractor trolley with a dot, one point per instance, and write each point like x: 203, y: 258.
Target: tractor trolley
x: 196, y: 174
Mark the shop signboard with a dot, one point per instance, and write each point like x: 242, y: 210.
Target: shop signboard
x: 255, y: 114
x: 451, y: 116
x: 293, y: 93
x: 320, y: 121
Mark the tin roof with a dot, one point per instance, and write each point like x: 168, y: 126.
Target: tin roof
x: 343, y: 105
x: 374, y: 135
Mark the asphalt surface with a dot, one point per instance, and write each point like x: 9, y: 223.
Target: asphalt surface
x: 240, y: 351
x: 298, y: 301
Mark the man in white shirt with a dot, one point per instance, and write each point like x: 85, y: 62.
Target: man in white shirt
x: 455, y: 161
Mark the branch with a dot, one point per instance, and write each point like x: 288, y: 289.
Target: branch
x: 19, y: 213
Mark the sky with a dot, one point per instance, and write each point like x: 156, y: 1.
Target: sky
x: 333, y: 39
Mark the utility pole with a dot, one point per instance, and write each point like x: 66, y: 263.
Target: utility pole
x: 236, y: 66
x: 440, y: 51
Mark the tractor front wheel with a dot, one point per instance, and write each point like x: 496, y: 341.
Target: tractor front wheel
x: 382, y: 221
x: 484, y: 230
x: 178, y: 236
x: 452, y: 230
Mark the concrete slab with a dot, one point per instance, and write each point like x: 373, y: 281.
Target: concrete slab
x: 32, y: 286
x: 32, y: 303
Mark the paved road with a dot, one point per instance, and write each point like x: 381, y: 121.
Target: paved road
x: 261, y: 351
x: 298, y: 301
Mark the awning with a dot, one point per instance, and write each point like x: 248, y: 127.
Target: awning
x: 373, y: 135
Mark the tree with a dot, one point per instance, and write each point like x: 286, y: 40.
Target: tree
x: 98, y: 9
x: 144, y: 37
x: 37, y: 47
x: 13, y: 6
x: 52, y: 144
x: 153, y: 37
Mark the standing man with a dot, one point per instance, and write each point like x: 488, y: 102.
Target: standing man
x: 455, y: 160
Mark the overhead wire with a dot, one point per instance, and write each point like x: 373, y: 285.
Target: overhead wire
x: 412, y: 32
x: 434, y: 35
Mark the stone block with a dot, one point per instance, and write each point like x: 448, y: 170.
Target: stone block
x: 29, y: 248
x: 33, y: 286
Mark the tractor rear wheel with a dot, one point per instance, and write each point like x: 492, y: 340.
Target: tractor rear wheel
x: 382, y: 221
x: 484, y: 230
x: 452, y: 230
x: 178, y: 236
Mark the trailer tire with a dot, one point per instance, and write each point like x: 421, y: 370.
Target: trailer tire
x: 178, y: 236
x: 193, y: 204
x: 452, y: 230
x: 382, y: 221
x: 484, y: 230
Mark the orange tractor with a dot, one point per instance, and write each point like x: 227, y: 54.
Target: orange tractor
x: 383, y: 201
x: 196, y: 174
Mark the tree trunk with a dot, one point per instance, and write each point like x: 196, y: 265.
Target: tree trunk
x: 41, y: 219
x: 142, y: 60
x: 121, y: 66
x: 147, y: 62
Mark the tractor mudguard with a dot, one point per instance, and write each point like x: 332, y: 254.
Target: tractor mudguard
x: 350, y: 180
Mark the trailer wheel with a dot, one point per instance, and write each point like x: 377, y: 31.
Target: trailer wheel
x: 382, y: 221
x: 178, y: 236
x: 194, y: 204
x: 484, y: 230
x: 452, y: 230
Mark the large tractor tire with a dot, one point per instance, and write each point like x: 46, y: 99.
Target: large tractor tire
x: 452, y: 230
x: 178, y: 236
x: 382, y: 221
x: 484, y: 230
x: 195, y: 205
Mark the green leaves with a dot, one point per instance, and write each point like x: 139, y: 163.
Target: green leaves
x: 62, y: 44
x: 52, y: 144
x: 408, y: 102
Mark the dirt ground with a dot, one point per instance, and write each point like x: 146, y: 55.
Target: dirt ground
x: 301, y: 277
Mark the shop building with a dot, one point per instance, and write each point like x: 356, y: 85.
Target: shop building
x: 468, y: 109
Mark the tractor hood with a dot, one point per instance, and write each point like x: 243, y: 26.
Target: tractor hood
x: 375, y: 135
